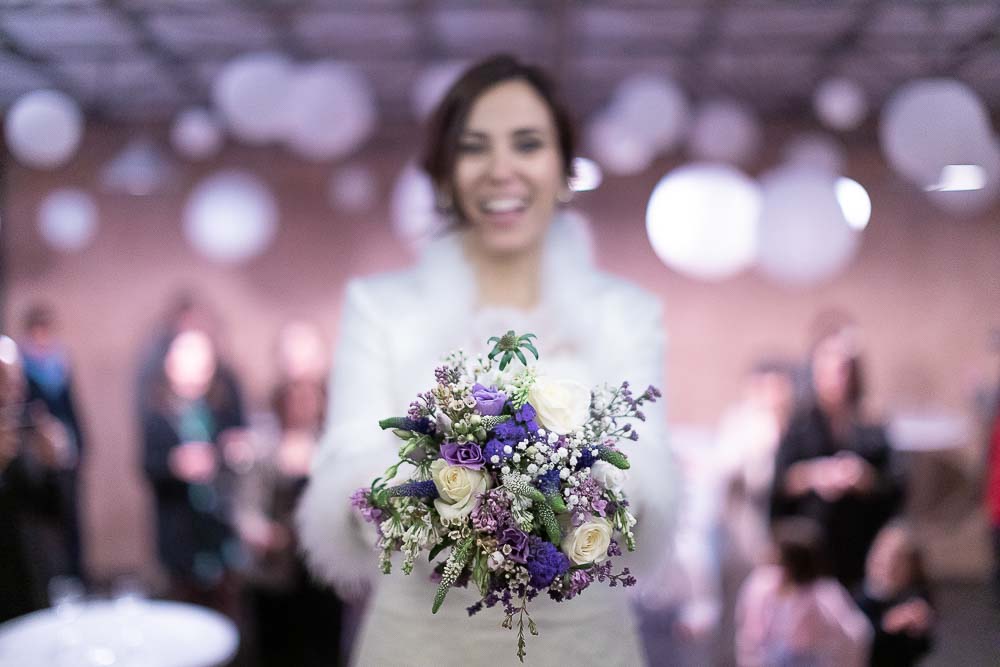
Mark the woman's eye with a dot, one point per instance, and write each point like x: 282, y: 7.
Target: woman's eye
x: 529, y: 145
x: 470, y: 148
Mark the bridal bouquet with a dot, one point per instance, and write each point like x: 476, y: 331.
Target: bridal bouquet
x: 517, y: 475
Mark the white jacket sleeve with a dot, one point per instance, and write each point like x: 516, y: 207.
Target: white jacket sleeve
x: 353, y: 451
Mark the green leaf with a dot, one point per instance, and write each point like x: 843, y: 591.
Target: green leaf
x: 520, y: 356
x: 530, y: 348
x: 441, y: 546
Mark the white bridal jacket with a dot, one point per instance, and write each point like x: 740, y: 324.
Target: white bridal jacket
x: 395, y: 329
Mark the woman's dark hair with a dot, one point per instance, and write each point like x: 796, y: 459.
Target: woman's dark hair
x: 446, y: 124
x: 800, y: 549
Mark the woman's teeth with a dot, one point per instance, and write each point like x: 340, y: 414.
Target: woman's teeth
x: 503, y: 205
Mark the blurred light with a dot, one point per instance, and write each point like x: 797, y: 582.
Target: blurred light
x: 724, y: 131
x: 841, y: 104
x: 854, y: 202
x: 959, y: 178
x: 230, y: 217
x: 617, y: 146
x: 816, y: 150
x: 330, y: 111
x: 654, y: 109
x: 702, y: 220
x: 432, y: 84
x: 67, y: 219
x: 43, y: 128
x: 415, y: 219
x: 588, y: 175
x: 251, y: 95
x: 196, y: 134
x: 804, y: 236
x: 301, y: 351
x: 352, y: 189
x: 139, y: 169
x: 8, y: 350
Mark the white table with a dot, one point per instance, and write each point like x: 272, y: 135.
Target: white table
x: 122, y: 633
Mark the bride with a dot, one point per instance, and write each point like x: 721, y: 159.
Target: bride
x: 500, y: 154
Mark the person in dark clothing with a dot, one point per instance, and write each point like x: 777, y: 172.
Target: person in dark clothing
x: 834, y: 467
x: 896, y: 599
x: 32, y: 452
x: 49, y: 376
x: 191, y: 424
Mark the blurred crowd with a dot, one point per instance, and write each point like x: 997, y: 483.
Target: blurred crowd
x: 791, y: 545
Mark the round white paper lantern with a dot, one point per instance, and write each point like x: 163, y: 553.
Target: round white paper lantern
x: 724, y: 131
x: 431, y: 86
x: 702, y: 220
x: 67, y: 219
x: 841, y: 104
x: 251, y: 95
x: 230, y: 217
x: 654, y: 108
x: 43, y: 128
x: 331, y: 111
x: 617, y: 147
x: 816, y: 150
x: 804, y: 237
x: 196, y: 134
x: 930, y: 123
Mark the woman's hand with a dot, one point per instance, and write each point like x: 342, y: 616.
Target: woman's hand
x: 914, y: 617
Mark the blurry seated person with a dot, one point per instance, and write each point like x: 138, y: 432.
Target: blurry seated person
x: 896, y: 599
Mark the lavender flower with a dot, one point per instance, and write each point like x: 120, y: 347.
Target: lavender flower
x: 492, y: 512
x: 549, y: 482
x: 467, y: 455
x: 489, y: 401
x: 361, y: 501
x: 510, y: 433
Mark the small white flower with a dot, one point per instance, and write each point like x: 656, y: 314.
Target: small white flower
x: 517, y: 458
x: 608, y: 476
x: 532, y: 468
x: 495, y: 459
x: 562, y: 452
x: 496, y: 560
x: 505, y: 470
x: 507, y: 449
x: 563, y: 474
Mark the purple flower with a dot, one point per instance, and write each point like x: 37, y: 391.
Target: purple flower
x: 468, y: 455
x: 549, y: 482
x: 489, y: 401
x: 545, y: 563
x: 526, y: 416
x: 495, y: 448
x: 510, y: 433
x: 518, y: 543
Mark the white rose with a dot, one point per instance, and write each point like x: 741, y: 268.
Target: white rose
x: 589, y: 542
x: 610, y: 477
x: 561, y: 406
x: 458, y: 487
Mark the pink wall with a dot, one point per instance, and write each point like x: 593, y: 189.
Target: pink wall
x: 925, y: 287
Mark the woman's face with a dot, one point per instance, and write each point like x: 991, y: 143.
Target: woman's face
x: 831, y: 371
x: 190, y: 364
x: 509, y: 169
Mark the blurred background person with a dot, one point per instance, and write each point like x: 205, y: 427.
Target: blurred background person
x: 895, y: 596
x: 792, y: 613
x: 34, y: 450
x: 833, y: 464
x: 190, y: 424
x: 295, y: 619
x: 745, y: 449
x: 50, y: 381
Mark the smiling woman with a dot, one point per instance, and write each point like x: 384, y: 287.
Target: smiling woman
x: 500, y: 153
